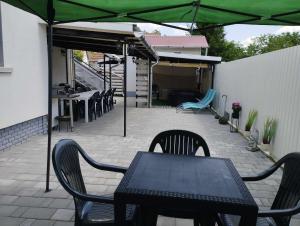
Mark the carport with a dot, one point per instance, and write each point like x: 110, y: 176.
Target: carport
x: 182, y: 77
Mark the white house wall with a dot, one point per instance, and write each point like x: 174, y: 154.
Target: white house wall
x: 24, y: 90
x: 269, y: 83
x: 131, y: 82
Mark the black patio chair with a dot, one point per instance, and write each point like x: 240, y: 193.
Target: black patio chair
x: 180, y: 142
x: 111, y: 99
x: 286, y: 202
x: 89, y: 209
x: 106, y: 101
x: 99, y: 103
x: 92, y: 106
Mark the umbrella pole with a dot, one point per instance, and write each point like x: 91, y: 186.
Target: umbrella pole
x: 109, y: 73
x: 49, y: 46
x: 51, y: 14
x: 104, y: 63
x: 125, y: 86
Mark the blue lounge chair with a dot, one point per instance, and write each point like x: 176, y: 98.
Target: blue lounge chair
x: 201, y: 104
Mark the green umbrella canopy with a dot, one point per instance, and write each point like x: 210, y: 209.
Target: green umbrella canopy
x: 215, y: 12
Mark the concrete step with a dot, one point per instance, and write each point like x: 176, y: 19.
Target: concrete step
x: 141, y: 100
x: 142, y: 93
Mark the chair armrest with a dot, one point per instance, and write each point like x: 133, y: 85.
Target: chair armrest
x: 111, y: 168
x: 280, y: 213
x: 81, y: 196
x: 100, y: 166
x: 263, y: 174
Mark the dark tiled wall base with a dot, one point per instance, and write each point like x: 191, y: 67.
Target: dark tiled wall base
x: 20, y: 132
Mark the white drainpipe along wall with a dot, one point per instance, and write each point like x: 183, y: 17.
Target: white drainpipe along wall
x: 269, y: 83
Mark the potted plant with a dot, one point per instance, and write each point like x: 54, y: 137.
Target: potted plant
x: 236, y: 108
x: 270, y: 126
x: 250, y: 121
x: 269, y: 130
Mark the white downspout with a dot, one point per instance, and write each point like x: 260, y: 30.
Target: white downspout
x: 151, y: 79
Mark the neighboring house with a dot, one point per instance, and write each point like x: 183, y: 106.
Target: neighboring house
x: 195, y: 44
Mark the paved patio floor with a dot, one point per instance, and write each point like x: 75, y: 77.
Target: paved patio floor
x: 23, y: 167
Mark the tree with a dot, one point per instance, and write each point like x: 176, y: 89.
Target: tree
x: 78, y: 54
x: 271, y: 42
x: 218, y: 45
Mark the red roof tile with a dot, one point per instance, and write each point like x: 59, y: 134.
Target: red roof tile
x: 195, y: 41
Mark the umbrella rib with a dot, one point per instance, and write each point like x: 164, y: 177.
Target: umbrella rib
x: 32, y: 11
x: 227, y: 24
x: 285, y: 14
x: 83, y: 19
x: 114, y: 14
x: 161, y: 8
x: 158, y: 23
x: 285, y: 21
x: 196, y: 11
x: 230, y: 11
x: 90, y: 7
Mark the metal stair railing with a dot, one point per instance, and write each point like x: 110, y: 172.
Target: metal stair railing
x: 90, y: 68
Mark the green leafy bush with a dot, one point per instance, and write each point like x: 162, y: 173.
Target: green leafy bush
x: 78, y: 54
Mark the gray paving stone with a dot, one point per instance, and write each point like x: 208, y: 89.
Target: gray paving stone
x: 63, y: 214
x: 39, y: 213
x: 27, y: 222
x: 60, y: 203
x: 7, y: 210
x: 63, y: 223
x: 7, y: 199
x: 42, y: 223
x: 22, y: 175
x: 10, y: 221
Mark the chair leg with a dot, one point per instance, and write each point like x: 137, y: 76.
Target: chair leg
x: 148, y: 217
x: 196, y: 222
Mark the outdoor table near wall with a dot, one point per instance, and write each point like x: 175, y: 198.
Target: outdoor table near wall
x: 85, y: 96
x: 187, y: 183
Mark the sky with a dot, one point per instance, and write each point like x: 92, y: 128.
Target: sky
x: 239, y: 33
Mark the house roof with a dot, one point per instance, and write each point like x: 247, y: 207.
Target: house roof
x: 195, y: 41
x: 94, y: 56
x: 187, y: 58
x: 99, y: 40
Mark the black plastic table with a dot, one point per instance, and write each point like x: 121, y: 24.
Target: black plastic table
x: 188, y: 183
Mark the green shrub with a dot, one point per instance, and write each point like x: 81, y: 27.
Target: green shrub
x: 251, y: 118
x: 78, y: 54
x: 269, y: 130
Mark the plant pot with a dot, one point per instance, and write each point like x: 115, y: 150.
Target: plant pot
x: 266, y: 148
x: 246, y: 134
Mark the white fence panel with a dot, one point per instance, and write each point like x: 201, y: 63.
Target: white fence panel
x: 269, y: 83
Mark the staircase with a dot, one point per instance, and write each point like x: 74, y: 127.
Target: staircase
x: 88, y: 76
x: 117, y: 76
x: 142, y: 84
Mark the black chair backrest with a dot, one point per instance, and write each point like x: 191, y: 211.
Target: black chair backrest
x: 179, y: 142
x: 113, y: 91
x: 66, y: 165
x: 288, y: 194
